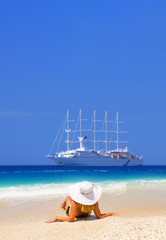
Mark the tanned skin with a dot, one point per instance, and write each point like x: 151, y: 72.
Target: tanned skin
x: 76, y: 212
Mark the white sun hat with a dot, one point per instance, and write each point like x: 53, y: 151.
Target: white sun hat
x: 85, y: 193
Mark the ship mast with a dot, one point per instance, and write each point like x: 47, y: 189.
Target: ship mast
x: 67, y: 131
x: 106, y: 131
x: 94, y: 119
x: 80, y: 123
x: 117, y: 121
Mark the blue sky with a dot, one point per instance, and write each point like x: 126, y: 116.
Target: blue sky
x: 59, y: 55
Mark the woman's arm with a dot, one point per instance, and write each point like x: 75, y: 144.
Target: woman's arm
x: 70, y: 218
x: 98, y: 213
x: 62, y: 219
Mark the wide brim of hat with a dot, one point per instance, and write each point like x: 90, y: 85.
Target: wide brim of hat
x: 85, y: 199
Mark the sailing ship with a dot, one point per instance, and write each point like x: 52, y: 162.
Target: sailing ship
x: 82, y: 156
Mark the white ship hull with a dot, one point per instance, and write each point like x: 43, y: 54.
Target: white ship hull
x: 98, y: 161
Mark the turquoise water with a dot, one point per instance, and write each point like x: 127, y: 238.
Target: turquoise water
x: 16, y: 181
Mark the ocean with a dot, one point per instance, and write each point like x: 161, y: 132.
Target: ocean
x: 51, y: 181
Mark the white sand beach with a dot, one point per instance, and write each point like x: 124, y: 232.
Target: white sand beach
x: 141, y: 216
x: 149, y: 227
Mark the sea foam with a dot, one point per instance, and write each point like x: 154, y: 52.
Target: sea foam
x: 57, y: 190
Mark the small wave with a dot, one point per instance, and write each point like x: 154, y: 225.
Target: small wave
x: 156, y: 170
x: 114, y: 187
x: 149, y: 182
x: 121, y: 186
x: 56, y: 190
x: 34, y: 190
x: 38, y: 171
x: 102, y: 170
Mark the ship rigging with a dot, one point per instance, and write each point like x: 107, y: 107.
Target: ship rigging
x: 93, y: 157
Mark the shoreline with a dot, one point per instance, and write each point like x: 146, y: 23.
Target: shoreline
x: 130, y: 203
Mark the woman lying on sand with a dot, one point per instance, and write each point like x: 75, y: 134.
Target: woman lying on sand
x: 83, y: 199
